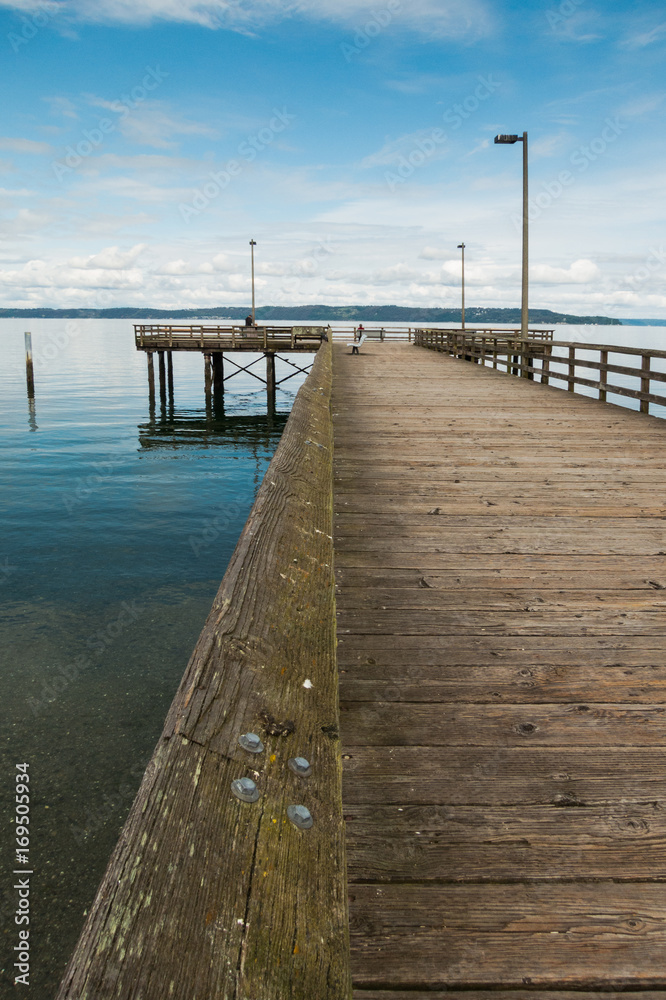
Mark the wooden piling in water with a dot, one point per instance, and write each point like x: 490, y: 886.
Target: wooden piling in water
x: 270, y: 382
x: 169, y: 356
x: 151, y: 379
x: 162, y: 371
x: 218, y: 374
x: 207, y: 896
x: 29, y: 370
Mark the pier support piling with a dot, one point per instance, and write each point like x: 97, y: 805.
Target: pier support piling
x: 162, y: 371
x: 151, y: 380
x: 208, y: 383
x: 270, y: 382
x: 170, y: 374
x: 218, y: 373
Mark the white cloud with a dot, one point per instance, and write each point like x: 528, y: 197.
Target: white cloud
x: 464, y: 19
x: 581, y: 272
x: 18, y: 145
x: 425, y: 144
x: 152, y: 124
x: 43, y: 275
x: 550, y: 145
x: 62, y: 107
x: 109, y: 259
x: 645, y: 38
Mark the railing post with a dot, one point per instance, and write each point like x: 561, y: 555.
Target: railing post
x: 572, y: 369
x: 603, y: 375
x: 545, y: 365
x: 645, y: 383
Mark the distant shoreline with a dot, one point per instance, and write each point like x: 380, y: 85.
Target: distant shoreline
x: 330, y: 314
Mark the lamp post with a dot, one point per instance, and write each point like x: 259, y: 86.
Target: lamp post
x: 253, y: 245
x: 509, y: 140
x: 461, y: 246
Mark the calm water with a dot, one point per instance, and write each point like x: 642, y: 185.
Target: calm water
x: 118, y: 524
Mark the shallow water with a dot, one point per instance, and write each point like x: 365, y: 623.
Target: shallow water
x: 118, y: 524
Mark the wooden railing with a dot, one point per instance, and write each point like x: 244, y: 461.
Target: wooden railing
x: 208, y: 896
x: 557, y: 360
x: 408, y: 333
x: 161, y: 336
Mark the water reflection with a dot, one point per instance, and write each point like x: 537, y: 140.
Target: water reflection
x: 32, y: 413
x: 178, y: 427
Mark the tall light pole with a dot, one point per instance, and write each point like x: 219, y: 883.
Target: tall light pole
x: 253, y: 245
x: 510, y: 139
x: 461, y: 246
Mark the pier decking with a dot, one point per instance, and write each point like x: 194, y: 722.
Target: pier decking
x: 500, y: 556
x: 500, y: 560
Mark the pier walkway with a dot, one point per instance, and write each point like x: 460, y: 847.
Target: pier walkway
x: 501, y: 585
x: 479, y: 773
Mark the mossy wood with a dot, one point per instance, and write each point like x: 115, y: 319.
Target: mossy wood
x: 206, y: 896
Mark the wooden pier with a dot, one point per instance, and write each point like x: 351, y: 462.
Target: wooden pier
x: 214, y: 342
x: 500, y: 558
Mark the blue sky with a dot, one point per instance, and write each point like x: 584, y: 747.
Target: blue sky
x: 146, y: 141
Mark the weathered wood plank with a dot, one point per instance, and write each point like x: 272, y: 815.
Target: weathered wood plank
x: 427, y: 595
x: 416, y: 724
x: 496, y: 775
x: 501, y: 994
x: 520, y: 578
x: 533, y: 622
x: 589, y: 935
x: 206, y: 896
x: 497, y: 683
x: 435, y: 843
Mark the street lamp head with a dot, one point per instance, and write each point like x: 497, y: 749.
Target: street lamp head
x: 461, y: 246
x: 253, y: 243
x: 508, y: 139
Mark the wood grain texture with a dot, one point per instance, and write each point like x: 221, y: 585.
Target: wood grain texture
x: 206, y: 896
x: 500, y: 551
x: 582, y: 935
x: 499, y: 994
